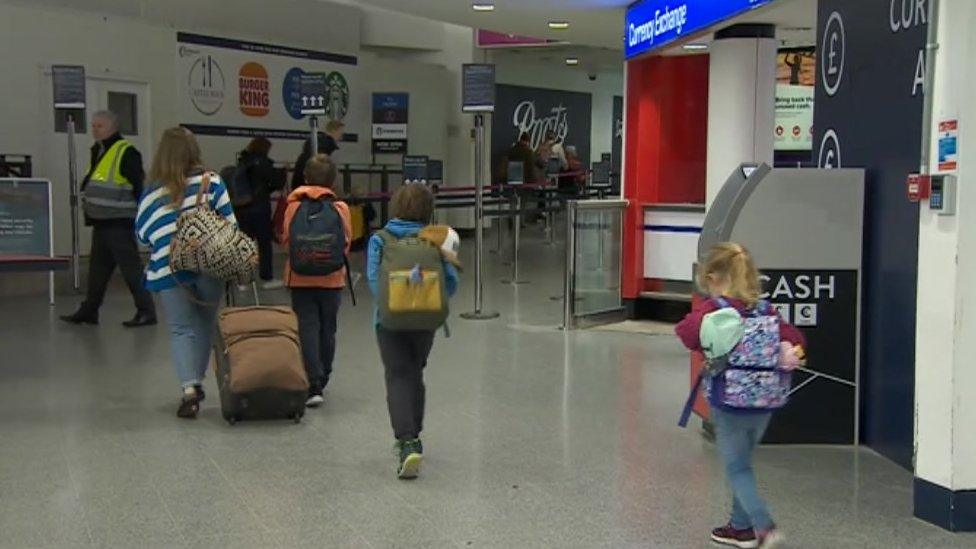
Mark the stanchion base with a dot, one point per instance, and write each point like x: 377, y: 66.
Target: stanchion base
x: 483, y: 315
x: 515, y: 282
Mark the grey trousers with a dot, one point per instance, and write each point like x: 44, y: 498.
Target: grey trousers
x: 404, y: 356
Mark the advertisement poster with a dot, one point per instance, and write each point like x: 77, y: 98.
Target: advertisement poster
x: 795, y: 90
x: 537, y: 111
x: 948, y: 145
x: 244, y: 89
x: 390, y: 118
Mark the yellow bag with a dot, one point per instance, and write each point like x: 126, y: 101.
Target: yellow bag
x: 406, y: 297
x: 358, y: 222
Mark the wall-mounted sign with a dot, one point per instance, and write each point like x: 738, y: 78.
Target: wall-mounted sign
x: 796, y: 72
x: 390, y: 116
x: 415, y: 169
x: 478, y: 88
x: 948, y: 145
x: 313, y: 89
x: 653, y: 24
x: 69, y: 86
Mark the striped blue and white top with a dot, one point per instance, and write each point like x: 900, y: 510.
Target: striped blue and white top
x: 156, y: 225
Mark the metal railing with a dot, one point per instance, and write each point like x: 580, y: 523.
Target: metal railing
x: 594, y: 252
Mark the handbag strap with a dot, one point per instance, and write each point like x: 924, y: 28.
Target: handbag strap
x: 690, y: 403
x: 204, y: 187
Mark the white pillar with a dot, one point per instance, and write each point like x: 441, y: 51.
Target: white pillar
x: 741, y: 101
x: 945, y: 376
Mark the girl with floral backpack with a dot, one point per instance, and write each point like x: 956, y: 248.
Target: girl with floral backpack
x: 751, y: 352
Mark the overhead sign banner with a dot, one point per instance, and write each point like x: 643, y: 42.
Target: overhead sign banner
x: 537, y: 111
x: 69, y: 86
x: 653, y: 24
x: 390, y: 117
x: 478, y: 88
x: 238, y: 88
x: 795, y: 91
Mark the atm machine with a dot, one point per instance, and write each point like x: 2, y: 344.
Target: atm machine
x: 804, y: 227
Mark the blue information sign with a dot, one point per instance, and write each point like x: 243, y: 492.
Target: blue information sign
x: 653, y: 24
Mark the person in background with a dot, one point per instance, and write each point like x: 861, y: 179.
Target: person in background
x: 730, y: 277
x: 328, y: 145
x: 110, y: 192
x: 190, y: 300
x: 573, y: 179
x: 405, y: 352
x: 255, y: 215
x: 522, y: 152
x: 316, y: 299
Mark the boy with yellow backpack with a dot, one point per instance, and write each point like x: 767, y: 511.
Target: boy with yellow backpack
x: 412, y: 270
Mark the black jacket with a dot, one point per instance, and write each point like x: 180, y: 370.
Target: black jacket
x: 327, y: 145
x: 131, y: 168
x: 264, y: 177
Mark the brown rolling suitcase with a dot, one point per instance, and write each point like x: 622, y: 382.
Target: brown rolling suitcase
x: 258, y: 364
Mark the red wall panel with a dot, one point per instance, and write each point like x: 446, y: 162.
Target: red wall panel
x: 665, y: 155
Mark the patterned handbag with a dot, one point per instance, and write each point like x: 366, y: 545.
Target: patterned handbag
x: 208, y: 244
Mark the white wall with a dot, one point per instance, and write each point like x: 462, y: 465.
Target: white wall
x: 135, y: 41
x: 561, y: 77
x: 944, y: 372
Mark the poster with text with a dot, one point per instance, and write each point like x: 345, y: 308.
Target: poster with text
x: 795, y: 91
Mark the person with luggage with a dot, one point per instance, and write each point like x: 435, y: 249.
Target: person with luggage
x: 255, y: 179
x: 176, y: 182
x: 318, y: 233
x: 412, y: 281
x: 750, y: 351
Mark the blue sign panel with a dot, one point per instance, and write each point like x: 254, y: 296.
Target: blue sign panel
x: 652, y: 24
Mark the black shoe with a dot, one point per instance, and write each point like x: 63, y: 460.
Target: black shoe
x: 81, y: 317
x: 189, y: 406
x: 140, y: 320
x: 200, y: 394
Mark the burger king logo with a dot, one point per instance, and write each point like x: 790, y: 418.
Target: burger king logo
x: 255, y: 96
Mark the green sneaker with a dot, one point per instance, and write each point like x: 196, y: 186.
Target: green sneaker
x: 410, y: 456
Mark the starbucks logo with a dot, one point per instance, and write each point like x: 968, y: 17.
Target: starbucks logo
x: 337, y: 104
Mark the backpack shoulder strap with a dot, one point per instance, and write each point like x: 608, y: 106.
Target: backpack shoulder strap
x: 763, y: 307
x: 722, y: 302
x: 386, y: 236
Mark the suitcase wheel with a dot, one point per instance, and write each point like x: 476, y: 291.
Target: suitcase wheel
x: 296, y: 417
x: 231, y: 420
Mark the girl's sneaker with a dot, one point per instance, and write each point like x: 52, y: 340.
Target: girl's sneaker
x: 734, y: 537
x: 768, y: 539
x: 409, y: 458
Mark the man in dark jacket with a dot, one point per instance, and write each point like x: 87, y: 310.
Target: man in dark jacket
x: 254, y: 216
x: 328, y: 145
x: 110, y: 194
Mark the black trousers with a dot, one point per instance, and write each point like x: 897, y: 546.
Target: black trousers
x: 404, y: 357
x: 318, y: 311
x: 255, y: 221
x: 115, y: 245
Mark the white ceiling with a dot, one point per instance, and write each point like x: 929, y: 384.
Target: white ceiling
x: 596, y: 23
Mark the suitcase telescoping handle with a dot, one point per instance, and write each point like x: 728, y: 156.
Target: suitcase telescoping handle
x: 231, y: 294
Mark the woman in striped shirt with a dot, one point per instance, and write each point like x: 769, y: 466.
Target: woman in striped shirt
x: 190, y: 300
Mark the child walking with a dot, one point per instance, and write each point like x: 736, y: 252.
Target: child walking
x: 412, y: 280
x: 750, y: 351
x: 318, y: 233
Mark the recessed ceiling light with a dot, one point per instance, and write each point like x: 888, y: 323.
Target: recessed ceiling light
x: 559, y: 25
x: 695, y: 47
x: 572, y: 61
x: 483, y: 6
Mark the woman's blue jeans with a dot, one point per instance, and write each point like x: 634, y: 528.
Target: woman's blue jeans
x: 191, y: 326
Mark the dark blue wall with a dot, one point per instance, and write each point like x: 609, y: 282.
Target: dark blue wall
x: 876, y: 114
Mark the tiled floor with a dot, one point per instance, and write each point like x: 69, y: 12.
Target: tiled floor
x: 536, y: 438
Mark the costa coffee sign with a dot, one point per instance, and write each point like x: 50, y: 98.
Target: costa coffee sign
x: 537, y: 111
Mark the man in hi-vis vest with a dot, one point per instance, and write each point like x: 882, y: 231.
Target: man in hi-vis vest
x: 110, y: 193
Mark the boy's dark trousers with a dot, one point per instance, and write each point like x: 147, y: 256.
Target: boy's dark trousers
x: 318, y: 311
x: 404, y: 357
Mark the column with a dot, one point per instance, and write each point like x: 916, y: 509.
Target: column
x: 741, y: 101
x: 945, y: 376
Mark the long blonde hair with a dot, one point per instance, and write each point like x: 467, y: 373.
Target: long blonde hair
x: 177, y: 155
x: 733, y: 261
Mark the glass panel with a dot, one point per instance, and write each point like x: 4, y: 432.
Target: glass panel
x: 124, y: 106
x: 598, y: 253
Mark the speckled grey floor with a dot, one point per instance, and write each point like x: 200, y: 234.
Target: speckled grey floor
x: 535, y: 438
